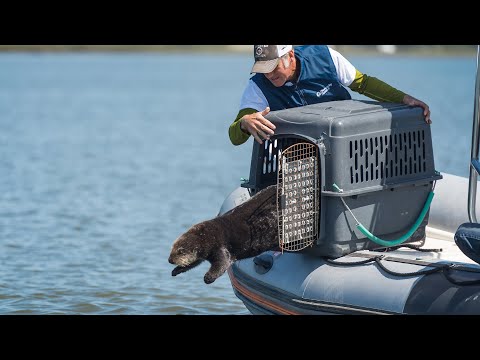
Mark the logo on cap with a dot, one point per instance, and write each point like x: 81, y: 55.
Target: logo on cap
x: 262, y: 52
x: 267, y: 56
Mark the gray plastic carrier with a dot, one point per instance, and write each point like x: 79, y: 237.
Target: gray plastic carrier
x: 379, y: 154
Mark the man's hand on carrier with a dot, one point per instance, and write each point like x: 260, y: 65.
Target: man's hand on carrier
x: 257, y: 126
x: 410, y: 100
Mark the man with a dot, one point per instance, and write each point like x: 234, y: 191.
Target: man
x: 286, y: 77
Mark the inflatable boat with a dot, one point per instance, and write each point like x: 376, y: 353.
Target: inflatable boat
x: 367, y: 225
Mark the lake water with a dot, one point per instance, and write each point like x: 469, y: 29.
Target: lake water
x: 105, y: 159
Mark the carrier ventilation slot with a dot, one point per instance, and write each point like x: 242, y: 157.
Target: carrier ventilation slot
x: 396, y: 156
x: 271, y: 151
x: 298, y: 196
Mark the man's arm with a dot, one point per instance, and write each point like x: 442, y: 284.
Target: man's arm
x: 251, y: 122
x: 378, y: 90
x: 375, y: 89
x: 236, y: 134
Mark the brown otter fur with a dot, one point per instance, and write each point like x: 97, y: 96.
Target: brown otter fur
x: 245, y: 231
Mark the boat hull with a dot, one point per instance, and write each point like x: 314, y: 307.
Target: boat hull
x: 298, y: 284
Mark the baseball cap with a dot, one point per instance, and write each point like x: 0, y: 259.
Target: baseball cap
x: 267, y: 57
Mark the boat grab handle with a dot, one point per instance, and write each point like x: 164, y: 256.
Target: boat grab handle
x: 400, y: 240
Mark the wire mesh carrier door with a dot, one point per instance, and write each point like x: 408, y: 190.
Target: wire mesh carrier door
x: 298, y: 196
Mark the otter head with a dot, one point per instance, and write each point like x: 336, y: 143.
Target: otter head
x: 189, y: 250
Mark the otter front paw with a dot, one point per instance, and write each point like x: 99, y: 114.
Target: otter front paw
x: 208, y: 278
x: 178, y: 270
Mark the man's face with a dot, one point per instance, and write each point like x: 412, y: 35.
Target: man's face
x: 279, y: 76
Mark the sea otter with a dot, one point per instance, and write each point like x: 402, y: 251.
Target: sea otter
x: 245, y: 231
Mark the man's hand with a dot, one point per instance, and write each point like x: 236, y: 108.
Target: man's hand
x: 410, y: 100
x: 257, y: 126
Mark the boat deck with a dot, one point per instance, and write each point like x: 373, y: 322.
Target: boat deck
x: 442, y: 243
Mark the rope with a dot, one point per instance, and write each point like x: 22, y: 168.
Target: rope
x: 361, y: 262
x: 415, y: 273
x: 410, y: 246
x: 444, y: 269
x: 403, y: 238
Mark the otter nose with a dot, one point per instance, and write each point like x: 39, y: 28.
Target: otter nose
x: 170, y: 260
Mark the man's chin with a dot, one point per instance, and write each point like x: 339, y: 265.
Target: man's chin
x: 277, y: 83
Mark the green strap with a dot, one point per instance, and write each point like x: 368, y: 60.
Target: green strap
x: 400, y: 240
x: 404, y: 237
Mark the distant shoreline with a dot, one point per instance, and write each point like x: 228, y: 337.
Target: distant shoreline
x: 415, y: 50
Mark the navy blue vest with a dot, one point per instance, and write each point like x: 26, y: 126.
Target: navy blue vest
x: 318, y: 81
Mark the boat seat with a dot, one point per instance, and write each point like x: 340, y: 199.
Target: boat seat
x: 467, y: 238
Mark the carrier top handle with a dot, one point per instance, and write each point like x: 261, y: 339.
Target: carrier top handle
x: 400, y: 240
